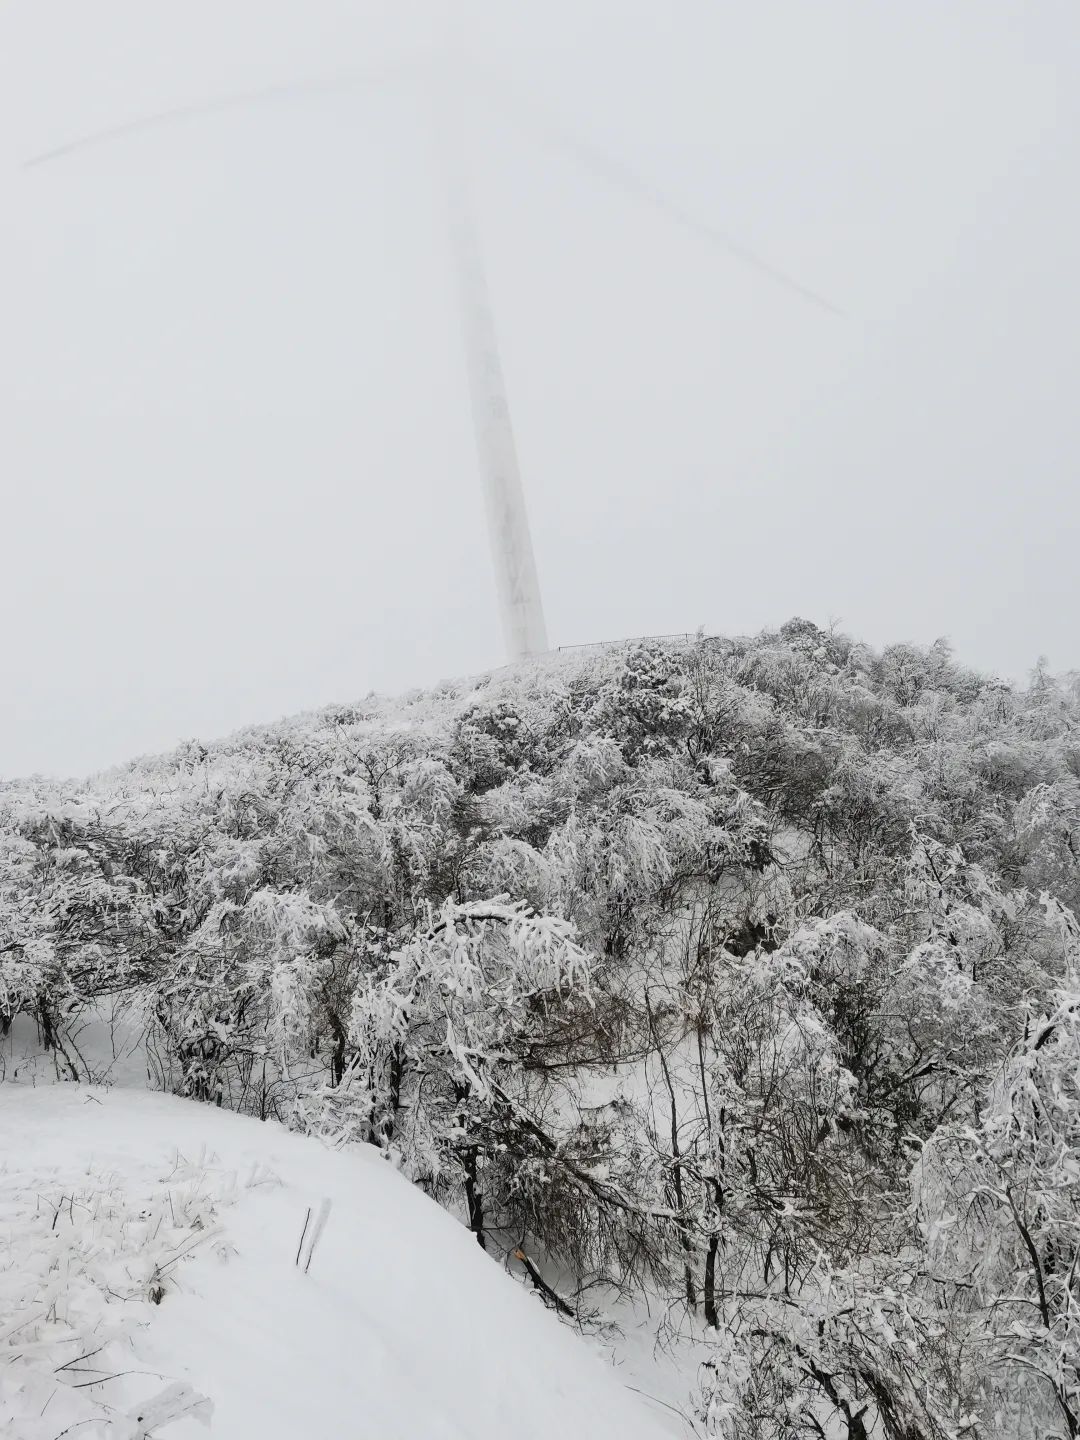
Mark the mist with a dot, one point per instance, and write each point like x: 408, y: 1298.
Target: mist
x: 785, y: 299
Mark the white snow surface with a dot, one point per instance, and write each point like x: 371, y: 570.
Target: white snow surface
x: 401, y: 1330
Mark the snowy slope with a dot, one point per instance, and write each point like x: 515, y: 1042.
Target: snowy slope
x: 402, y: 1328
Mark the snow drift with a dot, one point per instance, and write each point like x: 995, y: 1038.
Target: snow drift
x: 401, y: 1329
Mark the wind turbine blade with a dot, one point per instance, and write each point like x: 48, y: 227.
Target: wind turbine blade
x: 161, y: 119
x: 622, y: 177
x: 618, y: 174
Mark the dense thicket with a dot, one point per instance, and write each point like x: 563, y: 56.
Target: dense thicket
x: 745, y: 972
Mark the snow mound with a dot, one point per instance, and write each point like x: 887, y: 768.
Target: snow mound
x: 163, y: 1236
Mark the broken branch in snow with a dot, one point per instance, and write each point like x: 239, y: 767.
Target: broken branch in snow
x: 551, y: 1295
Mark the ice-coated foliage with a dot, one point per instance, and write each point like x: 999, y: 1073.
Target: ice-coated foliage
x: 80, y: 1271
x: 742, y: 974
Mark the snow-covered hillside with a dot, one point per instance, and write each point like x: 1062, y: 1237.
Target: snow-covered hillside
x: 401, y: 1329
x: 729, y: 988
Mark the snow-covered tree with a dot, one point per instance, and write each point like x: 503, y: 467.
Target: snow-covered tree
x: 668, y: 968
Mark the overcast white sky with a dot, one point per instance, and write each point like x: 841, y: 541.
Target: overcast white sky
x: 237, y: 475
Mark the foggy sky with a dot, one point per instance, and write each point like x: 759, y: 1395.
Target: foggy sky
x: 236, y: 459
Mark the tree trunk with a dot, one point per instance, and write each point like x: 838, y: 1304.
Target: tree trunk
x: 711, y: 1317
x: 396, y: 1070
x: 676, y: 1166
x: 45, y: 1021
x: 473, y: 1198
x: 337, y: 1054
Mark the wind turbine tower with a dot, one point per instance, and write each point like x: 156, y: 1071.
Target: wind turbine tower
x: 517, y: 585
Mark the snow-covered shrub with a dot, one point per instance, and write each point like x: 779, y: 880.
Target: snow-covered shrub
x: 80, y: 1272
x: 666, y: 967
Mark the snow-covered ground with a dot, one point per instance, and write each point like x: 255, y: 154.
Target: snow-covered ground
x: 400, y: 1328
